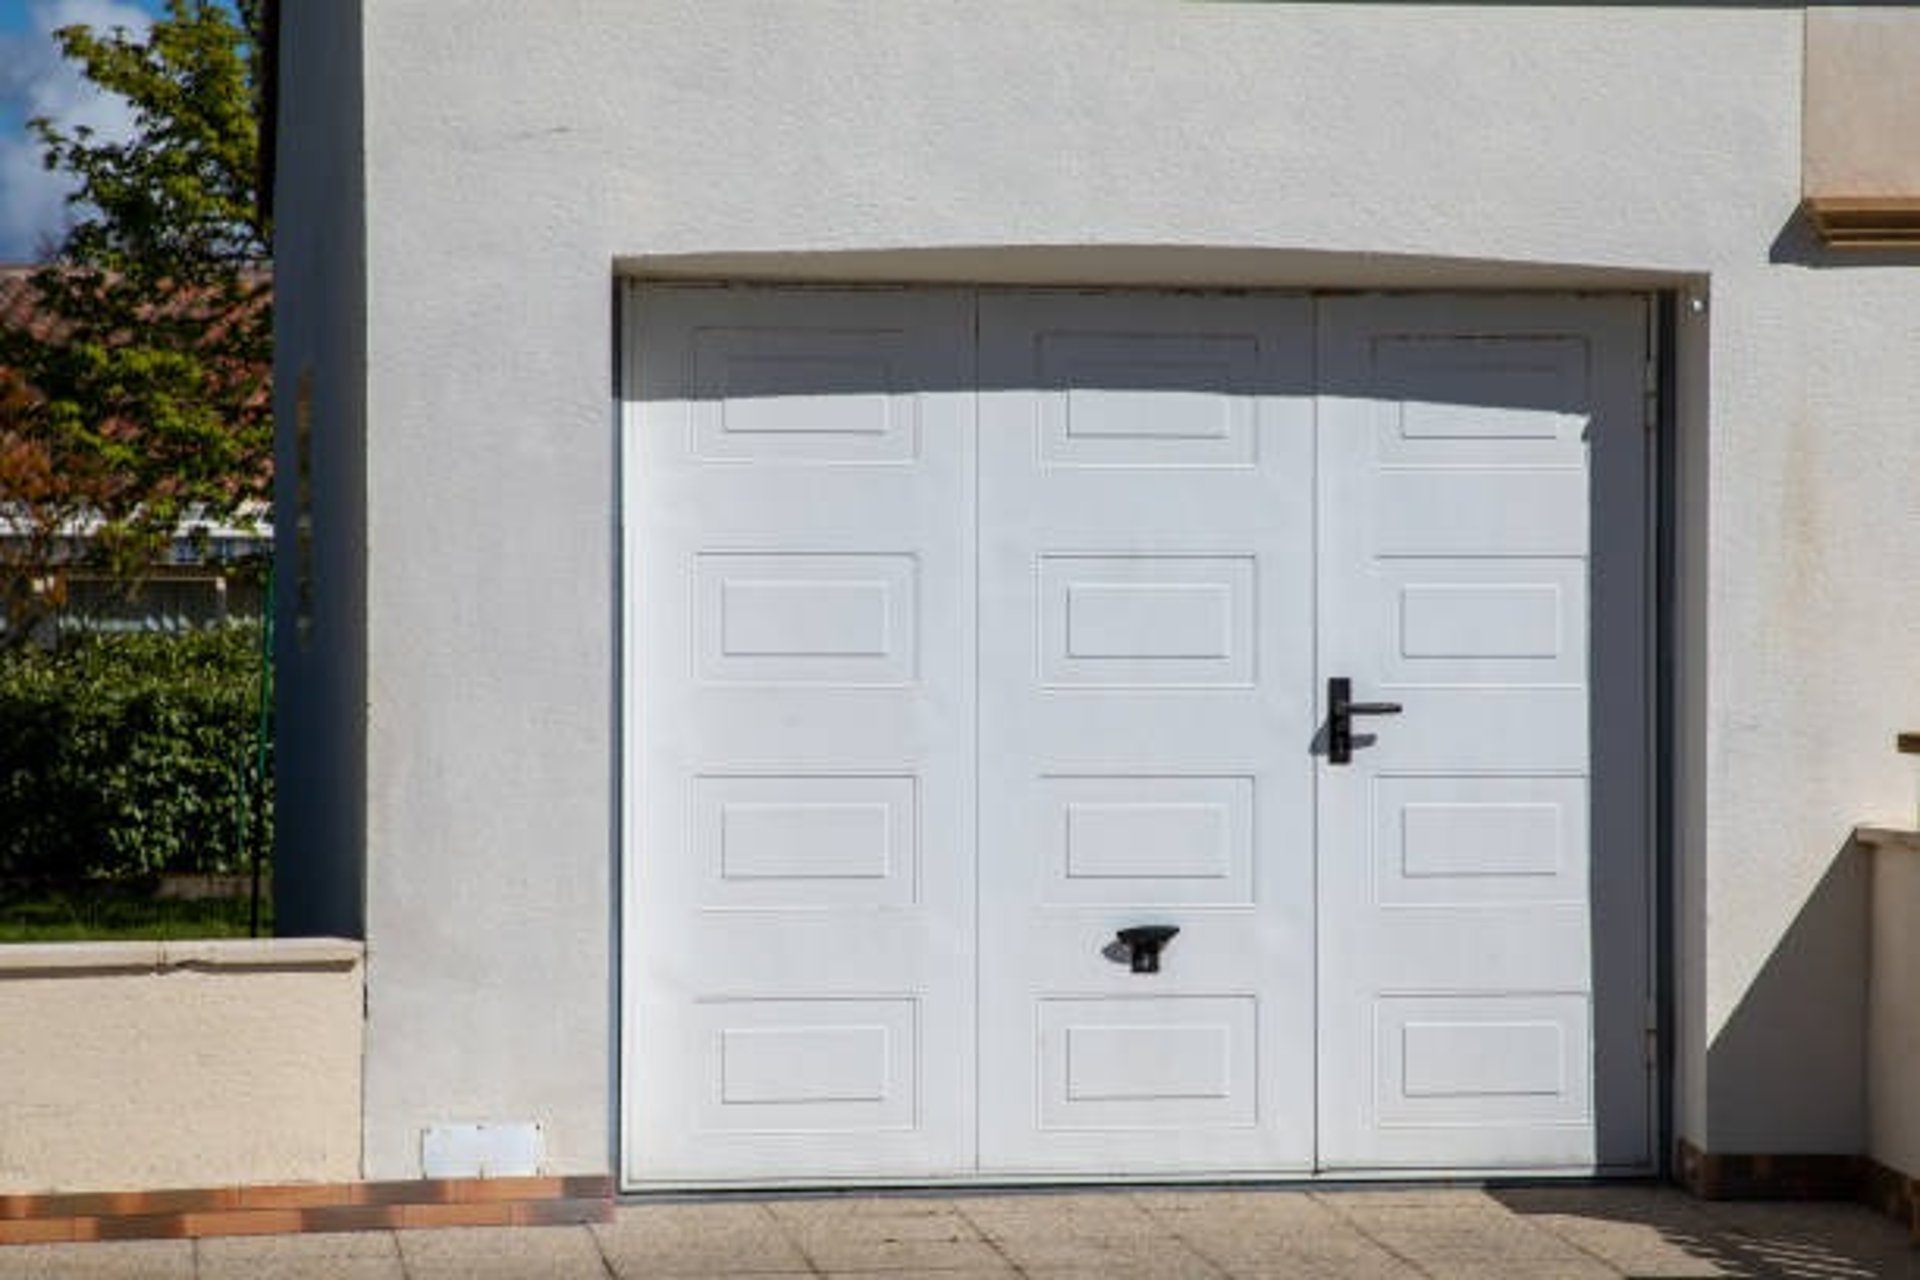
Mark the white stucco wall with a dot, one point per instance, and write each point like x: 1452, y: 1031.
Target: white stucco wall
x: 515, y: 157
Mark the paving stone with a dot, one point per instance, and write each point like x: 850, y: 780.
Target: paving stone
x: 1534, y: 1269
x: 1078, y: 1216
x: 1396, y: 1196
x: 697, y: 1239
x: 1335, y: 1248
x: 501, y: 1253
x: 1641, y: 1249
x: 946, y: 1243
x: 874, y: 1220
x: 115, y: 1260
x: 1120, y: 1257
x: 1243, y: 1230
x: 365, y: 1255
x: 1458, y: 1233
x: 1312, y: 1264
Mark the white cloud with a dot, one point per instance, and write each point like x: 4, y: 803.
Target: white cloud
x: 36, y: 81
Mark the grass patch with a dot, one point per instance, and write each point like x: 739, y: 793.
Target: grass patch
x: 121, y: 917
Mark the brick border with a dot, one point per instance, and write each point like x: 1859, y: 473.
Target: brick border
x: 1713, y: 1176
x: 304, y: 1207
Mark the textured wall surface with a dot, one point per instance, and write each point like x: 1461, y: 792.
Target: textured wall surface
x: 143, y: 1065
x: 1863, y: 100
x: 514, y: 162
x: 1893, y: 1010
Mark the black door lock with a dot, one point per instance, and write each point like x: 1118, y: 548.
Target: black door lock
x: 1143, y: 943
x: 1341, y: 709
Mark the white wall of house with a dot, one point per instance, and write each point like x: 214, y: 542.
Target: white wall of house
x: 517, y: 159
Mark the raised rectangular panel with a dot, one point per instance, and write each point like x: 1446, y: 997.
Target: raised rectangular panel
x: 1482, y: 400
x: 799, y: 396
x: 803, y: 1064
x: 1147, y: 620
x: 1481, y: 620
x: 1147, y: 1063
x: 1433, y: 511
x: 1513, y: 621
x: 1455, y: 839
x: 1482, y: 1058
x: 1144, y: 620
x: 1150, y: 1063
x: 807, y: 842
x: 808, y: 1064
x: 804, y: 618
x: 1147, y: 400
x: 1149, y: 841
x: 794, y: 618
x: 1146, y: 840
x: 1479, y: 841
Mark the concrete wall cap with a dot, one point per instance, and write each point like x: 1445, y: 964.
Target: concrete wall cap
x: 207, y: 953
x: 1890, y: 838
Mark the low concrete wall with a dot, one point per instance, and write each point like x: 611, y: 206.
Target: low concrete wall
x: 1893, y: 1001
x: 142, y: 1065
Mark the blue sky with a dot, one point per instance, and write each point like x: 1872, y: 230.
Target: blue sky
x: 34, y: 80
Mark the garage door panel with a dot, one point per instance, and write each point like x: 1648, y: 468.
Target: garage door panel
x: 1146, y: 840
x: 1515, y: 621
x: 1136, y: 620
x: 1456, y: 955
x: 1512, y: 729
x: 1144, y: 589
x: 1468, y: 399
x: 1430, y: 511
x: 816, y: 1065
x: 807, y: 841
x: 785, y: 618
x: 1142, y: 400
x: 1479, y: 840
x: 800, y: 551
x: 1132, y: 1064
x: 1448, y: 1059
x: 805, y: 396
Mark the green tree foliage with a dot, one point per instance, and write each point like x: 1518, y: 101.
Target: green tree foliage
x: 138, y: 401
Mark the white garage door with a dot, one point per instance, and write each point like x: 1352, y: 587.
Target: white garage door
x: 975, y: 636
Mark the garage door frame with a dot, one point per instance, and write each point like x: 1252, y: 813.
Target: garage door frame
x: 1650, y: 539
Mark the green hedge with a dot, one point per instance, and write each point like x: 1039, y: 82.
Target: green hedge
x: 122, y: 757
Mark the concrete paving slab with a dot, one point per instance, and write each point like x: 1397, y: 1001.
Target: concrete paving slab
x: 1460, y: 1232
x: 831, y: 1252
x: 359, y: 1255
x: 1119, y: 1256
x: 1661, y: 1233
x: 1315, y: 1264
x: 731, y: 1238
x: 1544, y: 1233
x: 1533, y: 1269
x: 1239, y: 1231
x: 111, y: 1260
x: 501, y: 1253
x: 1099, y: 1215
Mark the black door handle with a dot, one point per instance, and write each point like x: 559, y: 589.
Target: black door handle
x: 1142, y: 945
x: 1341, y: 709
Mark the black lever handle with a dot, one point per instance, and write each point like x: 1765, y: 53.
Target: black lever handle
x: 1143, y: 943
x: 1341, y: 709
